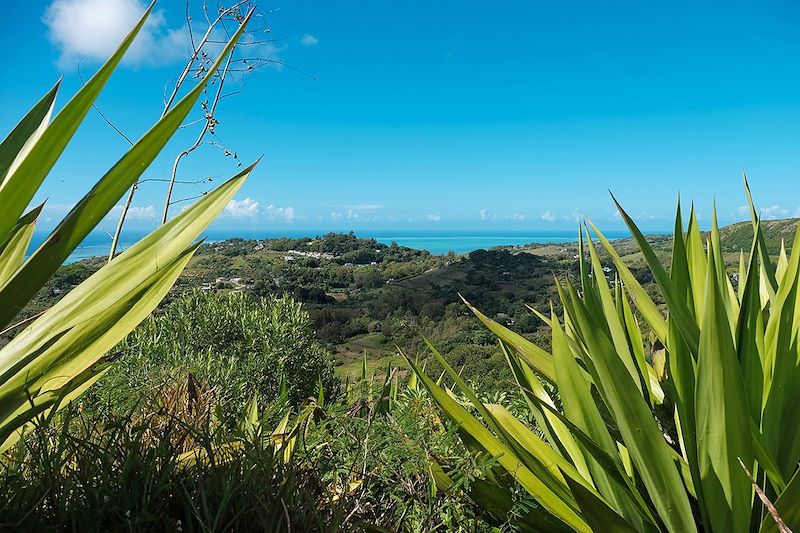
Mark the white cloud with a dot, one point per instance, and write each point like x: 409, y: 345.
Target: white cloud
x: 280, y: 213
x: 433, y: 217
x: 773, y: 212
x: 359, y: 207
x: 486, y: 215
x: 549, y: 216
x: 243, y: 209
x: 55, y: 212
x: 519, y: 218
x: 141, y: 213
x: 93, y: 29
x: 309, y: 40
x: 575, y: 216
x: 351, y: 214
x: 335, y: 215
x: 146, y: 213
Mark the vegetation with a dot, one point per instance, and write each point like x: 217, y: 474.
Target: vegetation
x: 239, y: 346
x: 62, y: 352
x: 375, y: 451
x: 170, y: 465
x: 685, y: 425
x: 156, y: 446
x: 646, y: 386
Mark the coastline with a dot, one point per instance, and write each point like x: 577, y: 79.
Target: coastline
x: 437, y: 243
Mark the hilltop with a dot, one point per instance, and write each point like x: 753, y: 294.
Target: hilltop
x: 739, y: 236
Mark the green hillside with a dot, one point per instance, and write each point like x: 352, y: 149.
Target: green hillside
x: 739, y: 236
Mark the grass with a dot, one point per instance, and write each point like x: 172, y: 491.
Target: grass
x: 127, y: 472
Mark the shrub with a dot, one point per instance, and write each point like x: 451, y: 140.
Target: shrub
x: 239, y: 345
x: 722, y: 363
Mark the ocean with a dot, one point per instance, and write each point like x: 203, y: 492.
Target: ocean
x: 437, y: 243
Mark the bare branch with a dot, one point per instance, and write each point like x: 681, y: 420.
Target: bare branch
x: 209, y: 126
x: 197, y: 52
x: 102, y: 115
x: 188, y: 199
x: 773, y: 511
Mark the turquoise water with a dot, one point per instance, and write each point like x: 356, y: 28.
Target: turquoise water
x: 461, y: 244
x: 437, y: 243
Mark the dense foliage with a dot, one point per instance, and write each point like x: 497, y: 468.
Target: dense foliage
x: 240, y: 346
x: 722, y: 363
x: 184, y: 459
x: 170, y: 464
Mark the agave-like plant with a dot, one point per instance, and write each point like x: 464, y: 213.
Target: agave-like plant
x: 721, y: 360
x: 61, y: 353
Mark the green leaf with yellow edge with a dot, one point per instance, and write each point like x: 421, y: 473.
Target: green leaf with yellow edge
x: 783, y: 263
x: 550, y: 460
x: 581, y: 409
x: 12, y: 252
x: 608, y: 309
x: 553, y: 428
x: 532, y: 452
x: 654, y: 372
x: 770, y: 284
x: 101, y: 199
x: 782, y: 364
x: 45, y: 355
x: 544, y: 318
x: 504, y: 456
x: 500, y: 504
x: 688, y: 273
x: 722, y: 416
x: 640, y: 433
x: 539, y: 359
x: 21, y: 184
x: 598, y: 514
x: 727, y: 292
x: 765, y: 459
x: 612, y: 464
x: 43, y: 408
x: 16, y: 146
x: 696, y: 263
x: 750, y: 335
x: 676, y: 303
x: 640, y: 297
x: 43, y: 380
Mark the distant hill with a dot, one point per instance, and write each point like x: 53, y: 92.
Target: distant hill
x: 739, y: 236
x: 734, y: 237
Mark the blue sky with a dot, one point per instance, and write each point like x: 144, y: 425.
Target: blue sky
x: 444, y: 115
